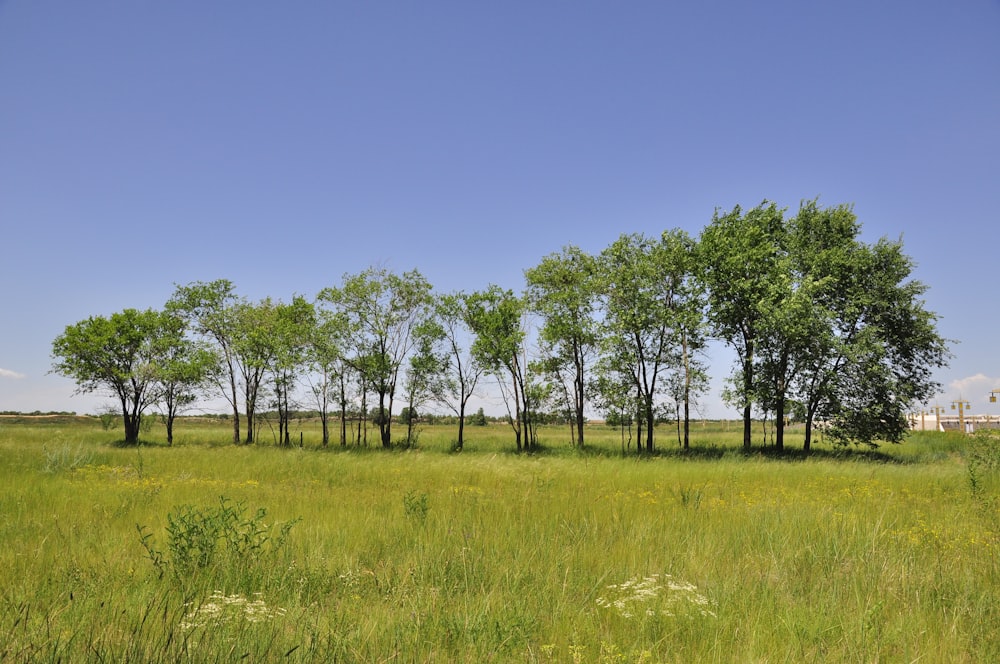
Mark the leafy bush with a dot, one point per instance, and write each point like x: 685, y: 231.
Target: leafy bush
x: 200, y: 538
x: 415, y: 506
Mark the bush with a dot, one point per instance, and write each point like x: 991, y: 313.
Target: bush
x: 198, y: 538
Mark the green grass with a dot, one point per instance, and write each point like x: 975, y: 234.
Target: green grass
x: 425, y: 555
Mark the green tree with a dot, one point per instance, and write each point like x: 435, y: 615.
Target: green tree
x: 211, y: 308
x: 652, y: 317
x: 182, y: 370
x: 740, y: 262
x: 495, y: 318
x: 328, y: 358
x: 427, y: 369
x: 294, y: 327
x: 255, y: 345
x: 384, y: 309
x: 875, y: 357
x: 118, y: 354
x: 461, y: 370
x: 562, y: 288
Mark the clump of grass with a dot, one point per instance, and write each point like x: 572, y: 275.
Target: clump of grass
x: 65, y: 458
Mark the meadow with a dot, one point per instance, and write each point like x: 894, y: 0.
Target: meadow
x: 205, y: 551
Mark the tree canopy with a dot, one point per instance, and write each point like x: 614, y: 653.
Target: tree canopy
x: 822, y: 324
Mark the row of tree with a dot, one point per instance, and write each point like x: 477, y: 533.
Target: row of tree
x: 816, y: 317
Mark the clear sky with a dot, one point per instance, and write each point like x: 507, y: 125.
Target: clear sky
x: 283, y: 144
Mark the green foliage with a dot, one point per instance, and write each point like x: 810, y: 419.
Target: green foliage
x: 415, y: 506
x: 120, y: 354
x: 201, y: 538
x: 478, y: 418
x: 983, y: 463
x: 109, y: 419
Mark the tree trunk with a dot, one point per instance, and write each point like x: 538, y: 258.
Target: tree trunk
x: 236, y: 407
x: 779, y: 441
x: 579, y: 387
x: 131, y: 429
x: 343, y: 412
x: 687, y: 395
x: 747, y: 391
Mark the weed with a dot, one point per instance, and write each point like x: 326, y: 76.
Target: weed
x: 198, y: 538
x: 415, y: 506
x: 66, y: 459
x: 689, y: 496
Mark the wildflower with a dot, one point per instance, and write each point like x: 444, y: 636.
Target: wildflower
x: 221, y: 608
x: 628, y: 598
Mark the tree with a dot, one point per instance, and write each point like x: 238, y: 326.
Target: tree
x: 118, y: 354
x: 328, y: 356
x: 461, y: 370
x: 652, y: 317
x: 820, y: 318
x: 739, y: 262
x: 495, y: 318
x: 384, y: 309
x: 294, y: 326
x: 211, y: 309
x: 254, y: 346
x: 872, y: 359
x: 427, y: 369
x: 562, y: 289
x: 182, y: 369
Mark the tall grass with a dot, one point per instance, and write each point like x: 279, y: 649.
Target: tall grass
x: 424, y: 555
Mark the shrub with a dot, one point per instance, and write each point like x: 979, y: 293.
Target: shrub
x: 200, y: 538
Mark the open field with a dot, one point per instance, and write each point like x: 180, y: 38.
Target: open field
x: 425, y: 555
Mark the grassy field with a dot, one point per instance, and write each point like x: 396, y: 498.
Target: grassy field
x: 206, y: 551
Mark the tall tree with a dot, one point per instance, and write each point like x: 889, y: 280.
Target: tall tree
x: 295, y: 323
x: 211, y: 309
x: 562, y: 288
x: 651, y: 315
x: 495, y: 316
x: 874, y: 360
x: 740, y: 261
x: 427, y: 369
x: 118, y: 354
x: 182, y: 370
x: 254, y: 345
x: 462, y: 371
x: 826, y: 253
x: 328, y: 357
x: 385, y: 308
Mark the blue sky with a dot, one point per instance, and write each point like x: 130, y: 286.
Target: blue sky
x: 281, y: 145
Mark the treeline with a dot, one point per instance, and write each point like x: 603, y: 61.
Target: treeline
x: 821, y: 323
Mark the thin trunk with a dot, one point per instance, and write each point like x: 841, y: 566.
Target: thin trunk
x: 687, y: 394
x: 578, y: 390
x: 747, y: 391
x: 343, y: 412
x: 236, y: 407
x: 810, y: 415
x: 779, y: 441
x: 781, y: 386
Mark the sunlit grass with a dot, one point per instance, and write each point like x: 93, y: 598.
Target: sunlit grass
x: 430, y: 555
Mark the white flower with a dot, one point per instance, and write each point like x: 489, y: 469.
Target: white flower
x: 625, y: 596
